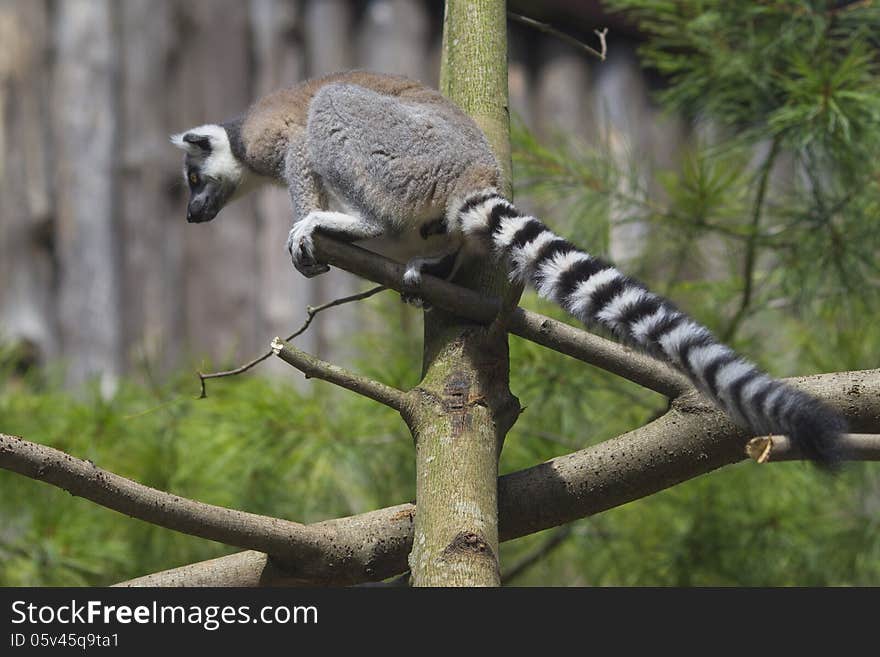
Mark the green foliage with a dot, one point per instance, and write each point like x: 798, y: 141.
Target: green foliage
x: 804, y: 75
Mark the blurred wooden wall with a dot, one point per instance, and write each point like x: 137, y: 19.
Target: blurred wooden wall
x: 98, y: 267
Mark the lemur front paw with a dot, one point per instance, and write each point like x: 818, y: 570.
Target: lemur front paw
x: 302, y: 249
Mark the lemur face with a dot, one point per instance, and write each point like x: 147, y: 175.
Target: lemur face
x: 211, y: 170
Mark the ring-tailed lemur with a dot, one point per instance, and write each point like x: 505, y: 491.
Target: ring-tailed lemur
x: 394, y: 166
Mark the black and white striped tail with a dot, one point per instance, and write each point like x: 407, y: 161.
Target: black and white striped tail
x: 595, y: 292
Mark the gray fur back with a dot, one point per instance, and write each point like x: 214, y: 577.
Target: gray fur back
x: 397, y: 161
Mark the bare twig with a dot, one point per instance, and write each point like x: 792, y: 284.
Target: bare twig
x: 321, y: 369
x: 853, y: 447
x: 311, y: 312
x: 751, y: 255
x: 643, y: 370
x: 549, y: 29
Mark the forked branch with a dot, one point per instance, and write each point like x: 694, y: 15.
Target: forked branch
x: 311, y: 313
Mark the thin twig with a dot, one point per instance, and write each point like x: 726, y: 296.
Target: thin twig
x: 311, y: 311
x: 751, y: 256
x: 549, y: 29
x: 321, y: 369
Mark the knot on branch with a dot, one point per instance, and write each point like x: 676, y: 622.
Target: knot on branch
x: 468, y: 543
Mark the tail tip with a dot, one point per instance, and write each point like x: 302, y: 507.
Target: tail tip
x: 816, y: 430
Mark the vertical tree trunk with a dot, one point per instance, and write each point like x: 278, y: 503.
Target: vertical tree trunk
x: 279, y: 60
x: 27, y: 303
x: 85, y: 104
x: 622, y: 117
x: 393, y: 38
x: 222, y: 280
x: 152, y: 218
x: 562, y: 91
x: 466, y: 406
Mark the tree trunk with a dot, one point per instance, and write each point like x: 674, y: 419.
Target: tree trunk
x: 85, y: 101
x: 27, y: 303
x: 152, y: 219
x: 465, y: 404
x: 222, y: 278
x: 393, y: 38
x: 279, y: 60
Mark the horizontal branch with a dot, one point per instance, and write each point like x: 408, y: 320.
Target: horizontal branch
x: 242, y: 569
x: 693, y: 438
x: 648, y: 372
x: 321, y: 369
x: 342, y: 551
x: 852, y: 446
x: 558, y: 336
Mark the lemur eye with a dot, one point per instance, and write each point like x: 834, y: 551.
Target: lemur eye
x: 194, y: 178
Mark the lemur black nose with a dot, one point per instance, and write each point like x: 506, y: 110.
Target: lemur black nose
x: 195, y: 210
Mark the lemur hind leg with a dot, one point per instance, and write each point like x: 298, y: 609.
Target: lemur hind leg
x: 442, y: 266
x: 300, y: 241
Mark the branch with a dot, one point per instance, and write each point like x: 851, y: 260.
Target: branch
x: 343, y: 551
x: 242, y: 569
x: 549, y: 29
x: 648, y: 372
x: 751, y: 255
x: 853, y: 447
x: 586, y: 347
x: 311, y: 311
x: 321, y: 369
x: 690, y: 440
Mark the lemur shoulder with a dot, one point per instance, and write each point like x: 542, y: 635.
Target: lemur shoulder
x: 394, y: 166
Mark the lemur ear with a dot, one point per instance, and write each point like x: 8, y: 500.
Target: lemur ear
x: 192, y: 142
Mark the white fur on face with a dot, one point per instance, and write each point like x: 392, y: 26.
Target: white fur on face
x: 220, y: 163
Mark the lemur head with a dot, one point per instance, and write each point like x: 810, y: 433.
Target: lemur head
x: 212, y: 171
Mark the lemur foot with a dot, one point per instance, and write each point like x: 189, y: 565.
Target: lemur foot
x: 412, y: 281
x: 302, y: 249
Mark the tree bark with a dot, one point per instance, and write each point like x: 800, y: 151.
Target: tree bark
x: 152, y: 219
x: 222, y: 288
x: 465, y: 406
x: 85, y: 103
x: 279, y: 55
x: 27, y: 300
